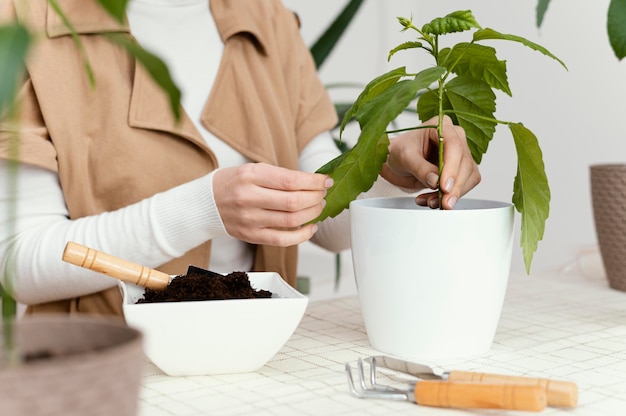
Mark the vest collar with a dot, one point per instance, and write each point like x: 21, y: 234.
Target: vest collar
x: 87, y: 16
x: 236, y: 16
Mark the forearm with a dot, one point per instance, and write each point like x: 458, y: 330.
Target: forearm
x: 150, y: 232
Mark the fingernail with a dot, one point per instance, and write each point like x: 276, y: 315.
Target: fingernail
x: 314, y: 229
x: 421, y: 200
x: 329, y: 182
x: 449, y: 184
x: 452, y: 201
x: 433, y: 202
x: 431, y: 180
x: 323, y: 203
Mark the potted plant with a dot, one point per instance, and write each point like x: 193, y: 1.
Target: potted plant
x: 608, y: 180
x: 64, y: 364
x: 422, y: 296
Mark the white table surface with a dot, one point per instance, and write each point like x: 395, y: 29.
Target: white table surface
x: 554, y: 325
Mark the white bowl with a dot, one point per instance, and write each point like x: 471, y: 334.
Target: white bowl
x: 216, y: 336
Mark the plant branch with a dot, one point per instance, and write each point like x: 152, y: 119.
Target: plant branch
x: 428, y: 126
x: 477, y: 116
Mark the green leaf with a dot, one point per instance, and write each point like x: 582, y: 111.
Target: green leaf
x: 490, y: 34
x: 155, y: 67
x: 15, y: 41
x: 542, y: 7
x: 471, y: 104
x: 341, y: 109
x: 480, y: 62
x: 356, y: 170
x: 403, y: 46
x: 353, y: 172
x: 371, y: 91
x: 531, y: 193
x: 116, y: 8
x: 327, y: 41
x: 616, y: 26
x: 383, y: 108
x: 458, y: 21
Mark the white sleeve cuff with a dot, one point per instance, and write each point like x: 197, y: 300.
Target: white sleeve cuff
x: 187, y: 216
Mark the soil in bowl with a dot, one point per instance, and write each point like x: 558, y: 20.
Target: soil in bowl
x: 196, y: 287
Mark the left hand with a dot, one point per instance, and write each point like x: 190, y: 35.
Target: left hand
x: 412, y: 164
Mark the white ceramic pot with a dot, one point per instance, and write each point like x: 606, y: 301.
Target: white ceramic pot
x: 431, y: 283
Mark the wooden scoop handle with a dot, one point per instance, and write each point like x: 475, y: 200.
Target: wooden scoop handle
x: 559, y: 393
x: 112, y: 266
x: 476, y: 395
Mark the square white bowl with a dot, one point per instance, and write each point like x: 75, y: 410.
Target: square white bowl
x: 216, y: 336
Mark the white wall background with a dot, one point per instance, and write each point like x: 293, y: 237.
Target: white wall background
x: 577, y: 115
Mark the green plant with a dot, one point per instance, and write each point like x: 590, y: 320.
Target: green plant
x: 615, y: 24
x: 462, y: 85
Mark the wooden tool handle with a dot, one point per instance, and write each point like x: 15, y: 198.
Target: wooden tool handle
x: 559, y: 393
x: 112, y: 266
x: 477, y: 395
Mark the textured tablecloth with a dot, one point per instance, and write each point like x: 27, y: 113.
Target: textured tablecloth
x: 556, y: 325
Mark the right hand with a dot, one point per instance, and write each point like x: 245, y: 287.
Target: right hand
x: 265, y: 204
x: 413, y: 163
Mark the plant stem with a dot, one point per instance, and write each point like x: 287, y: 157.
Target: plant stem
x: 410, y: 128
x: 9, y: 309
x: 441, y: 142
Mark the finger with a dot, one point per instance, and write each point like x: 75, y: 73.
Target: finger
x: 282, y: 237
x: 290, y: 201
x: 428, y: 199
x: 263, y: 218
x: 455, y: 154
x: 275, y: 177
x: 408, y: 165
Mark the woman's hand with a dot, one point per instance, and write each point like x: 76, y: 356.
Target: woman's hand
x: 412, y: 164
x: 264, y: 204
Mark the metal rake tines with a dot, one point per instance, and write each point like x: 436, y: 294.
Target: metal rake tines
x: 369, y: 388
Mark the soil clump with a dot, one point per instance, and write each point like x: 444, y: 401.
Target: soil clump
x: 196, y: 287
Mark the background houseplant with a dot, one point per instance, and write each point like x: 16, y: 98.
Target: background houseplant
x: 392, y: 284
x: 608, y: 181
x: 615, y: 24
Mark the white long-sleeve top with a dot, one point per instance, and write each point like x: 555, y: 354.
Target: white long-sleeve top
x: 166, y: 225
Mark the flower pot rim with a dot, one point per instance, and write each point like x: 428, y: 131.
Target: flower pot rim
x: 129, y: 341
x: 608, y: 165
x: 402, y: 203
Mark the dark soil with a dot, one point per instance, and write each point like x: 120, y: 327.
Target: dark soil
x: 196, y: 286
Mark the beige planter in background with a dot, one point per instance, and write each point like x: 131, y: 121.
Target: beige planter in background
x: 96, y: 368
x: 608, y: 196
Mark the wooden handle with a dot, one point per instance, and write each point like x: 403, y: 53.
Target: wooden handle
x: 478, y: 395
x: 112, y: 266
x: 559, y: 393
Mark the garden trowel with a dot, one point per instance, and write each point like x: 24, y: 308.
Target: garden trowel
x: 121, y: 269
